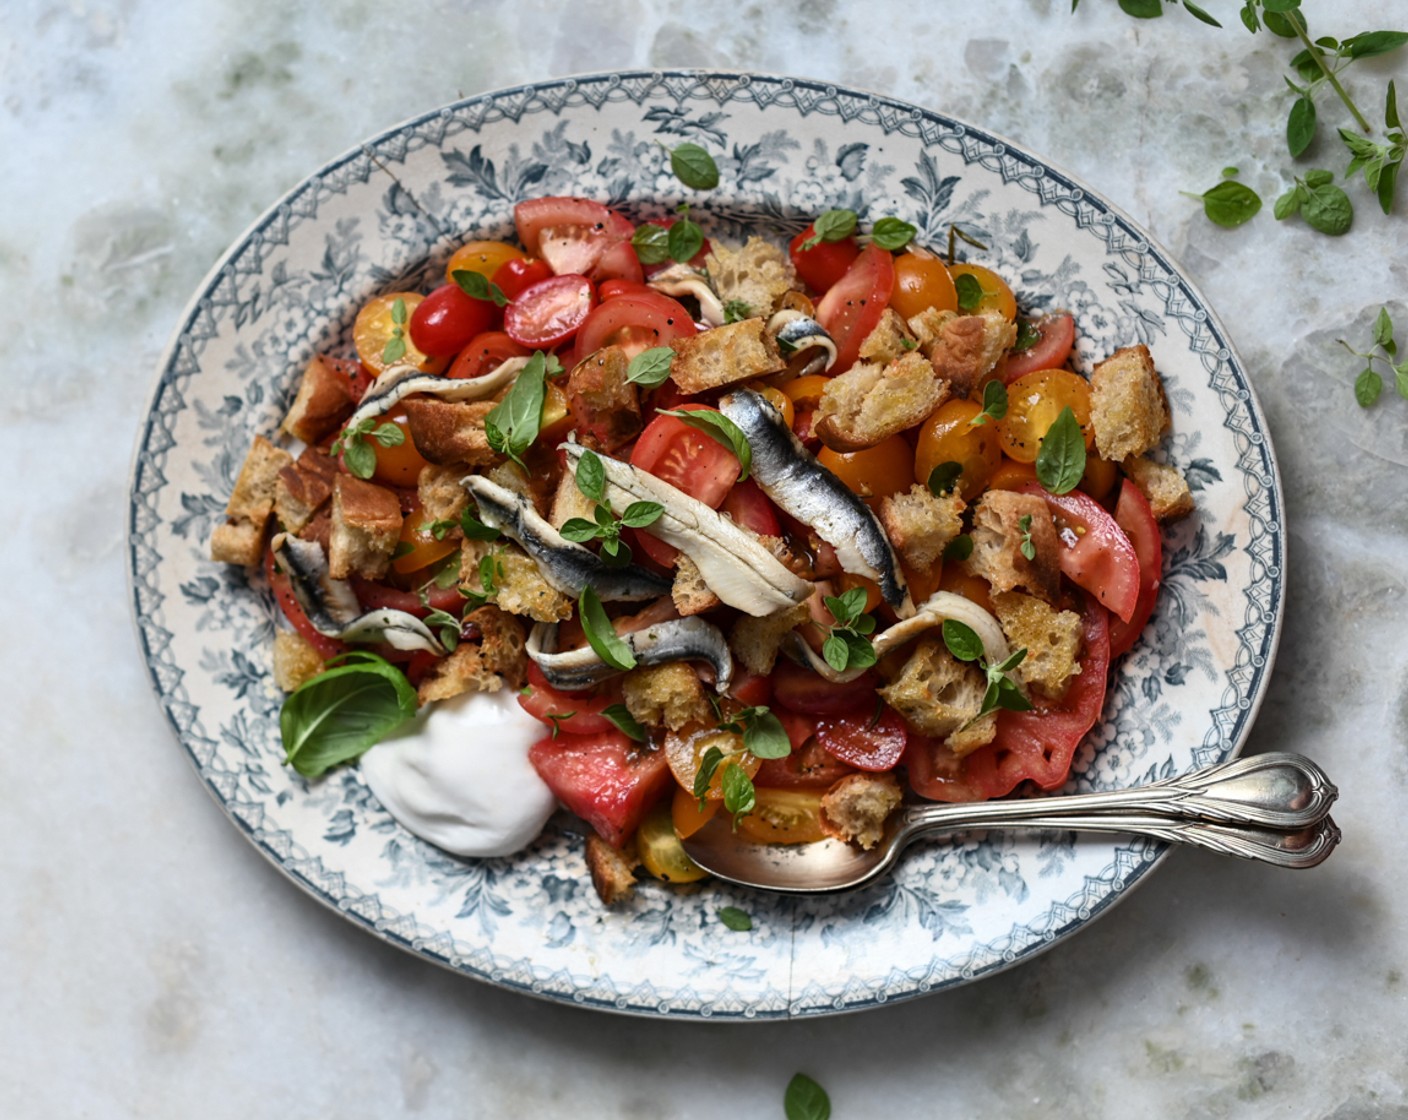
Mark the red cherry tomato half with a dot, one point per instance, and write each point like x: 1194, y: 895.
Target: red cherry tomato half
x: 485, y: 353
x: 550, y: 312
x: 749, y: 506
x: 517, y: 276
x: 1133, y: 515
x: 636, y: 320
x: 1050, y: 351
x: 610, y: 289
x: 809, y: 766
x: 864, y: 740
x: 606, y: 779
x: 446, y: 320
x: 823, y: 264
x: 852, y: 307
x: 751, y: 689
x: 1095, y: 554
x: 571, y: 234
x: 798, y: 688
x: 581, y: 709
x: 688, y: 460
x: 619, y: 262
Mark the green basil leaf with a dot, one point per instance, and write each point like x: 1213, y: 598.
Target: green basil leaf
x: 970, y: 292
x: 601, y: 635
x: 1391, y: 107
x: 1060, y: 461
x: 735, y: 311
x: 389, y: 435
x: 1318, y: 177
x: 638, y: 515
x: 343, y: 711
x: 580, y: 530
x: 1383, y: 328
x: 806, y: 1100
x: 398, y: 312
x: 720, y: 428
x: 1400, y: 379
x: 848, y: 606
x: 395, y: 348
x: 694, y: 167
x: 962, y: 640
x: 944, y: 477
x: 740, y: 797
x: 1328, y: 209
x: 860, y: 654
x: 1010, y: 697
x: 477, y: 286
x: 1230, y: 204
x: 1300, y: 126
x: 1367, y: 387
x: 1028, y: 335
x: 1279, y: 24
x: 831, y: 225
x: 705, y: 774
x: 1386, y: 183
x: 1370, y: 43
x: 1288, y: 204
x: 626, y: 723
x: 652, y: 243
x: 765, y: 736
x: 591, y: 476
x: 1013, y: 660
x: 476, y: 530
x: 736, y: 919
x: 515, y: 421
x: 685, y: 239
x: 1249, y: 18
x: 960, y: 548
x: 1306, y: 67
x: 650, y: 367
x: 994, y: 404
x: 892, y: 233
x: 1142, y: 9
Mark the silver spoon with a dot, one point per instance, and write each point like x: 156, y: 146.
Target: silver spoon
x: 1270, y: 807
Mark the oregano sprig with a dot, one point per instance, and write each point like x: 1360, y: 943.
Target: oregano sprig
x: 846, y: 645
x: 1370, y: 383
x: 1002, y: 691
x: 357, y: 453
x: 606, y: 526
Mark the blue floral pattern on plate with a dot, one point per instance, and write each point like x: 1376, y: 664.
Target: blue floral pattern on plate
x: 387, y: 215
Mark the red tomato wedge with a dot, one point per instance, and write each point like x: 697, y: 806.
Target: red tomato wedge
x: 447, y: 320
x: 485, y: 353
x: 581, y: 709
x: 282, y: 586
x: 863, y: 741
x: 1133, y: 515
x: 518, y: 275
x: 798, y: 688
x: 380, y: 596
x: 809, y: 766
x: 1037, y: 745
x: 571, y: 234
x: 750, y: 507
x: 635, y: 319
x: 1050, y: 351
x: 1095, y: 554
x: 824, y: 263
x: 852, y: 307
x: 618, y: 262
x: 550, y: 312
x: 606, y: 779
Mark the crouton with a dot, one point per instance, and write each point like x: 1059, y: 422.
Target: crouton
x: 303, y: 487
x: 1127, y: 406
x: 886, y: 343
x: 1050, y: 637
x: 295, y: 660
x: 568, y: 502
x: 612, y: 869
x: 241, y: 539
x: 323, y: 402
x: 869, y: 403
x: 538, y: 483
x: 666, y: 696
x: 963, y: 348
x: 940, y: 696
x: 755, y: 641
x: 855, y: 808
x: 605, y: 406
x: 516, y: 583
x: 689, y: 591
x: 366, y: 524
x: 487, y: 662
x: 1166, y: 489
x: 758, y: 275
x: 441, y: 492
x: 724, y: 356
x: 450, y: 431
x: 999, y: 531
x: 921, y: 525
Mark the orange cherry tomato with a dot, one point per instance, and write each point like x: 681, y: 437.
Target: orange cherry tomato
x: 923, y: 582
x: 685, y: 814
x: 1011, y: 476
x: 805, y: 392
x: 1033, y: 403
x: 418, y: 547
x: 777, y: 398
x: 1099, y: 478
x: 685, y: 753
x: 383, y: 322
x: 483, y: 257
x: 950, y: 436
x: 995, y: 294
x: 873, y: 597
x: 401, y: 464
x: 784, y: 816
x: 921, y: 282
x: 874, y: 473
x: 973, y: 588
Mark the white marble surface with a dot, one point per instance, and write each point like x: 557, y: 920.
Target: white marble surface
x: 156, y: 966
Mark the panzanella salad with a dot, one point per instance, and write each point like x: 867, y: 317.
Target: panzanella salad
x: 656, y: 529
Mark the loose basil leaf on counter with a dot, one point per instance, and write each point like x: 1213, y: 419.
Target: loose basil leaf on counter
x: 513, y: 424
x: 343, y: 711
x: 650, y: 367
x: 1229, y: 204
x: 601, y: 635
x: 626, y: 723
x: 721, y: 429
x: 694, y: 167
x: 806, y: 1100
x: 892, y: 233
x: 831, y: 225
x: 1060, y: 462
x: 736, y: 919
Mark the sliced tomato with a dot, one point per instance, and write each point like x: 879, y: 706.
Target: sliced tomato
x: 582, y: 708
x: 1095, y: 554
x: 282, y: 586
x: 606, y: 779
x: 619, y: 262
x: 550, y: 312
x: 853, y: 306
x: 635, y: 320
x: 750, y: 507
x: 571, y: 234
x: 610, y: 289
x: 797, y: 687
x: 864, y: 740
x: 447, y: 320
x: 1032, y: 746
x: 1133, y: 515
x: 485, y: 353
x: 784, y: 816
x: 376, y: 596
x: 809, y: 766
x: 751, y: 689
x: 823, y: 264
x: 515, y: 277
x: 688, y: 460
x: 1050, y: 351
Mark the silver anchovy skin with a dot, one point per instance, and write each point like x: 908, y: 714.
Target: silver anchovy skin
x: 678, y: 639
x: 400, y: 382
x: 790, y: 475
x: 566, y: 565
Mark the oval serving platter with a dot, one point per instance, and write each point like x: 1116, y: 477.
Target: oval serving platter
x: 386, y: 216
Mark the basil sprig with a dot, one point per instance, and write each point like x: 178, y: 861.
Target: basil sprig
x: 357, y: 453
x: 354, y: 703
x: 720, y: 428
x: 1060, y: 461
x: 763, y: 737
x: 606, y: 526
x: 1002, y: 691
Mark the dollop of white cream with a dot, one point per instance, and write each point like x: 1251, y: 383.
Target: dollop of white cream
x: 459, y: 776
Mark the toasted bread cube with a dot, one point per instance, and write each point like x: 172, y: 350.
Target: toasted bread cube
x: 1164, y: 487
x: 568, y: 502
x: 963, y: 348
x: 724, y: 356
x: 605, y: 405
x: 303, y: 488
x: 323, y: 402
x: 887, y: 342
x: 869, y: 403
x: 758, y: 275
x: 366, y: 524
x: 295, y: 660
x: 755, y: 641
x: 921, y: 525
x: 241, y: 539
x: 998, y: 535
x: 1128, y: 409
x: 441, y: 492
x: 855, y: 808
x: 668, y: 696
x: 487, y: 663
x: 518, y: 585
x: 940, y: 696
x: 612, y: 869
x: 447, y: 432
x: 689, y: 591
x: 1051, y: 638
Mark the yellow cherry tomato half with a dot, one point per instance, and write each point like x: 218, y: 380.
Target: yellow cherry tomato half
x: 921, y: 282
x: 874, y: 473
x: 685, y: 753
x: 660, y: 849
x: 784, y: 816
x: 1099, y: 478
x: 777, y: 398
x: 418, y: 547
x: 686, y: 815
x: 950, y: 436
x: 1011, y: 476
x: 805, y: 392
x: 483, y: 257
x: 557, y: 416
x: 994, y: 295
x: 1034, y: 401
x: 382, y: 334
